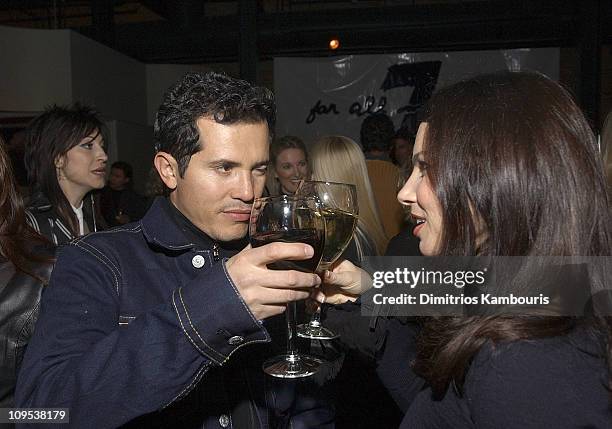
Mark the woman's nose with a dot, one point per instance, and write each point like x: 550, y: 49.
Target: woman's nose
x: 407, y: 194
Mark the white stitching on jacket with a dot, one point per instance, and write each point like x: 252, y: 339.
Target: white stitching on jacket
x: 178, y: 314
x: 190, y: 386
x: 193, y: 327
x: 229, y: 279
x: 78, y: 244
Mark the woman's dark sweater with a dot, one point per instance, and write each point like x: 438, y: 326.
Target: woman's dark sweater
x: 545, y: 383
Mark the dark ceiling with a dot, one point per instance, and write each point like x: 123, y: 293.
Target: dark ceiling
x: 191, y: 31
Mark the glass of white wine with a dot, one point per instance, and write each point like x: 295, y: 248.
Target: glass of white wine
x: 340, y: 210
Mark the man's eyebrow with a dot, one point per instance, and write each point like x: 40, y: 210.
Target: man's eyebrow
x: 233, y: 164
x: 223, y: 162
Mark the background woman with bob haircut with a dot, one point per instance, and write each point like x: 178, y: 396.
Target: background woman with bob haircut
x: 507, y: 165
x: 66, y: 159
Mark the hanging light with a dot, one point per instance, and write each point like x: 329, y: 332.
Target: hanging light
x: 334, y: 44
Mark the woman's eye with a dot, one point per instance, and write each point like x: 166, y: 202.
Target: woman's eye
x: 87, y: 145
x: 422, y: 167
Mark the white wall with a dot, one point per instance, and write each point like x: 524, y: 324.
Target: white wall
x: 36, y: 69
x: 113, y: 82
x: 132, y: 143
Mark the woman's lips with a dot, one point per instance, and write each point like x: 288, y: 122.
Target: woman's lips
x: 417, y: 229
x: 420, y: 223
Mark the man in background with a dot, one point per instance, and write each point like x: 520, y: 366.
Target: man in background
x: 402, y: 144
x: 377, y: 131
x: 119, y: 203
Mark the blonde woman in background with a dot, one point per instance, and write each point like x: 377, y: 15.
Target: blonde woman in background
x: 288, y: 165
x: 340, y: 159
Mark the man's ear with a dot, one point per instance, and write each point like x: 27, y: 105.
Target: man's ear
x: 167, y: 168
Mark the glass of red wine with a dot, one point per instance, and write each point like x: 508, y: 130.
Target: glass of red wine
x: 289, y: 219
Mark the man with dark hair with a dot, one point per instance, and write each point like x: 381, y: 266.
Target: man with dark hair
x: 119, y: 203
x: 128, y: 173
x: 402, y: 144
x: 377, y: 131
x: 161, y: 323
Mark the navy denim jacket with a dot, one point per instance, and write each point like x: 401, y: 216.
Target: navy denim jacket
x: 140, y: 326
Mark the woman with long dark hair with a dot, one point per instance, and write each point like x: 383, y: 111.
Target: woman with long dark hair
x: 25, y: 265
x: 66, y: 159
x: 507, y: 165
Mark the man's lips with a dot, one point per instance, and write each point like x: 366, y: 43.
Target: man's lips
x: 239, y: 215
x: 100, y: 171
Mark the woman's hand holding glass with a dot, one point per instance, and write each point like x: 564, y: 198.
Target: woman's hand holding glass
x: 345, y: 282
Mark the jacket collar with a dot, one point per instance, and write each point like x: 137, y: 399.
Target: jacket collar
x: 159, y: 228
x: 38, y: 202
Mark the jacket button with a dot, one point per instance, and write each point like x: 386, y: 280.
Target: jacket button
x: 235, y: 340
x: 224, y: 420
x: 198, y: 261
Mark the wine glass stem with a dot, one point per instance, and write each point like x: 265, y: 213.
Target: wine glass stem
x: 315, y: 320
x: 291, y: 331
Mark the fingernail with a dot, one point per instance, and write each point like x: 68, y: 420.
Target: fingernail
x: 308, y: 251
x: 321, y: 298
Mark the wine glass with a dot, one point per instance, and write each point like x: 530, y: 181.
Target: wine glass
x: 289, y: 219
x: 340, y: 210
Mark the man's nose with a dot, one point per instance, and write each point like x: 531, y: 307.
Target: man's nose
x: 243, y: 189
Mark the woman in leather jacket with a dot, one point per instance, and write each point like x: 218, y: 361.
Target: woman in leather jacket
x: 25, y: 266
x: 66, y: 159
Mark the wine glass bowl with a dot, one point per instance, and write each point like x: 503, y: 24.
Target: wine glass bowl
x: 289, y: 219
x: 339, y: 207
